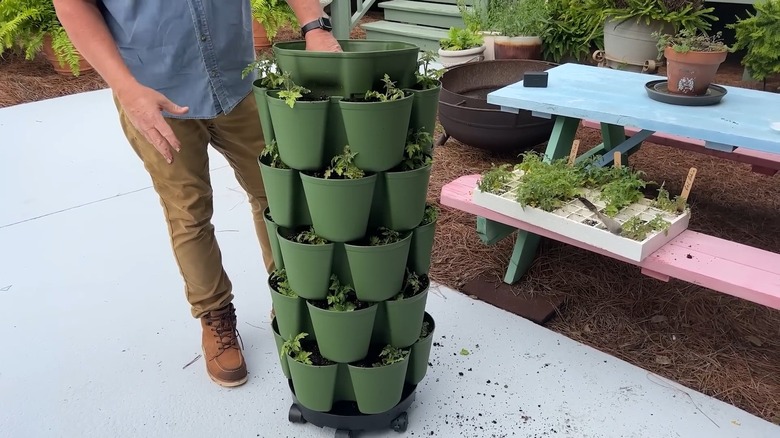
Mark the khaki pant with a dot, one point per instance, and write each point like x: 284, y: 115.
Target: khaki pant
x: 185, y: 192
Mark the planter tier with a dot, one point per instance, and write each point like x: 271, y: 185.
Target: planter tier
x: 300, y: 131
x: 420, y: 353
x: 262, y: 109
x: 422, y: 247
x: 315, y: 386
x: 400, y: 198
x: 286, y: 197
x: 398, y: 322
x: 343, y: 336
x: 339, y: 208
x: 424, y: 110
x: 271, y: 228
x: 377, y: 272
x: 308, y: 266
x: 378, y: 389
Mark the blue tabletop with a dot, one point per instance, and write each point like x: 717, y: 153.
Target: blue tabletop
x: 742, y: 118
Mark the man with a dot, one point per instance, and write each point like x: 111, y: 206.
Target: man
x: 175, y: 70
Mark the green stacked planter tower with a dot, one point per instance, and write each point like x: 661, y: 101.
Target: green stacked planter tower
x: 346, y: 169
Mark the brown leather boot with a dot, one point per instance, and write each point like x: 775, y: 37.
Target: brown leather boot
x: 221, y: 350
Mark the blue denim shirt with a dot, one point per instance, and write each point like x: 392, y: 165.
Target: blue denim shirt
x: 192, y: 51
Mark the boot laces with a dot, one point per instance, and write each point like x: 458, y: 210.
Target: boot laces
x: 223, y: 324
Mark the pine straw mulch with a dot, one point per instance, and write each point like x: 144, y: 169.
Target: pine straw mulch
x: 716, y: 344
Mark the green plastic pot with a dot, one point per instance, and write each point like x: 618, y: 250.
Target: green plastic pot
x: 291, y: 313
x: 271, y: 228
x: 377, y: 131
x: 399, y: 203
x: 300, y: 131
x: 286, y: 197
x: 344, y: 391
x: 404, y: 319
x: 335, y: 136
x: 378, y: 389
x: 315, y: 386
x: 279, y: 343
x: 424, y: 111
x: 339, y: 208
x: 360, y: 65
x: 262, y: 109
x: 343, y: 336
x: 308, y: 267
x: 422, y: 247
x: 378, y: 271
x: 420, y: 354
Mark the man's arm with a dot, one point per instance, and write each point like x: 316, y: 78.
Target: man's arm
x: 86, y: 28
x: 317, y: 39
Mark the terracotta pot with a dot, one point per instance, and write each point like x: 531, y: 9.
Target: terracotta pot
x: 520, y: 47
x: 48, y: 52
x: 692, y: 73
x: 260, y: 36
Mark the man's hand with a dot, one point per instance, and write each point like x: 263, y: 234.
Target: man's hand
x: 319, y: 40
x: 143, y: 107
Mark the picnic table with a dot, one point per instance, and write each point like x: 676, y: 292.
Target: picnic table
x: 618, y: 102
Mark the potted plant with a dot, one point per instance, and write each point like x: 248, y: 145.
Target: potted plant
x: 402, y: 316
x: 308, y: 261
x: 269, y: 77
x: 289, y: 308
x: 521, y: 25
x: 422, y: 241
x: 572, y: 33
x: 421, y: 352
x: 268, y: 17
x: 692, y: 59
x: 279, y: 341
x: 376, y: 125
x: 461, y: 45
x: 399, y: 202
x: 377, y: 263
x: 426, y: 98
x: 477, y: 18
x: 284, y: 189
x: 759, y: 34
x: 378, y: 380
x: 271, y: 227
x: 32, y: 26
x: 300, y: 120
x: 629, y: 26
x: 342, y: 323
x: 339, y: 198
x: 313, y: 376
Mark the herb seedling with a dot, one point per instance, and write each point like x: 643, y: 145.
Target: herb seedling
x: 390, y: 355
x: 270, y: 156
x: 391, y: 92
x: 384, y: 236
x: 546, y: 185
x: 637, y: 229
x: 343, y: 166
x: 495, y: 180
x: 340, y: 297
x: 413, y: 285
x: 428, y: 77
x: 414, y: 155
x: 430, y: 215
x: 663, y: 202
x: 622, y: 190
x: 279, y: 278
x: 309, y: 237
x: 268, y: 72
x: 291, y: 92
x: 292, y: 347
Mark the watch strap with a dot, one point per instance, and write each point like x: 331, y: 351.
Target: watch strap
x: 320, y: 23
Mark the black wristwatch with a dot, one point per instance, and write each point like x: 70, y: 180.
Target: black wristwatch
x: 320, y: 23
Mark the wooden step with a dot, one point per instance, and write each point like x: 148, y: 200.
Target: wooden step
x: 427, y: 38
x: 438, y: 15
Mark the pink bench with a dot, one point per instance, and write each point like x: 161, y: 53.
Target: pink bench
x: 760, y: 162
x: 721, y: 265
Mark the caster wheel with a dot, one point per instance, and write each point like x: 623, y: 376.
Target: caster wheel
x: 343, y: 433
x: 400, y: 422
x: 295, y: 415
x: 650, y: 66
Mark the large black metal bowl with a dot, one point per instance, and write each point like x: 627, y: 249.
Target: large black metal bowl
x: 465, y: 114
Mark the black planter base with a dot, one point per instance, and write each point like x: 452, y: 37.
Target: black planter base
x: 347, y: 419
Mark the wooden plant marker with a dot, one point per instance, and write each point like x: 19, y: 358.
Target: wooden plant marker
x: 618, y: 160
x: 686, y: 191
x: 573, y: 154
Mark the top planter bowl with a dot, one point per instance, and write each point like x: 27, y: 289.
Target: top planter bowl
x: 360, y: 67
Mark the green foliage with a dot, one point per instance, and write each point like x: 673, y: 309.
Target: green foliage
x: 391, y: 92
x: 270, y: 156
x: 273, y: 15
x: 282, y: 284
x: 663, y: 202
x: 343, y: 166
x: 292, y: 347
x: 475, y: 17
x: 426, y: 330
x: 760, y: 35
x: 384, y: 236
x: 25, y: 23
x: 267, y: 71
x: 681, y: 14
x: 428, y: 77
x: 414, y: 154
x: 309, y: 237
x: 495, y: 180
x: 291, y: 91
x: 571, y: 30
x: 390, y: 355
x: 686, y: 41
x: 519, y: 17
x: 461, y: 39
x: 341, y: 298
x: 413, y: 285
x: 621, y: 189
x: 430, y: 215
x: 637, y: 229
x: 547, y: 185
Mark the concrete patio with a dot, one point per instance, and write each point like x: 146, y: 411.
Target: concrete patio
x: 98, y: 335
